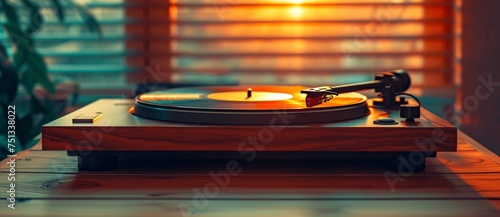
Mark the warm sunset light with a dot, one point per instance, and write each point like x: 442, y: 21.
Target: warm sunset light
x: 296, y: 11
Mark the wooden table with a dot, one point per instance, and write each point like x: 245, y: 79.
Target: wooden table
x: 465, y: 183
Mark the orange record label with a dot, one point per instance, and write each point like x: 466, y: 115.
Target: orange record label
x: 242, y: 96
x: 159, y: 97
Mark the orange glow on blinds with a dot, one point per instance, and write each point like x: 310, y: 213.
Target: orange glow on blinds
x: 302, y: 41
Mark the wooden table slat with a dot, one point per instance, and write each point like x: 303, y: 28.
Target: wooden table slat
x: 463, y: 183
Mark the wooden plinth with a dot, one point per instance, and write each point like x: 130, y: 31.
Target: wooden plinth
x: 120, y: 131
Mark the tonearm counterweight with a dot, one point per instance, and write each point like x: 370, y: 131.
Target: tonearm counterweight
x: 387, y: 85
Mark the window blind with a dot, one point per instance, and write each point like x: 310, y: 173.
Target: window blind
x: 306, y: 42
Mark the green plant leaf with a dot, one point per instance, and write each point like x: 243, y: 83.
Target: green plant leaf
x: 28, y: 80
x: 58, y: 9
x: 87, y: 16
x: 19, y: 37
x: 8, y: 77
x: 36, y: 18
x: 19, y: 58
x: 33, y: 70
x: 36, y: 70
x: 10, y: 13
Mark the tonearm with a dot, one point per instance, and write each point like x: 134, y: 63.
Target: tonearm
x: 387, y: 85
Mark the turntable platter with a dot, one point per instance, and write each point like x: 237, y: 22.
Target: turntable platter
x: 238, y: 105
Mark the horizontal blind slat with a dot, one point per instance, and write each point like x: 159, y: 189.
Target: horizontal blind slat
x: 121, y: 37
x: 232, y: 22
x: 438, y: 70
x: 107, y: 53
x: 92, y: 69
x: 162, y: 5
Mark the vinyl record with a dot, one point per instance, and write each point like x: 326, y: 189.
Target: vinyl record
x: 245, y: 105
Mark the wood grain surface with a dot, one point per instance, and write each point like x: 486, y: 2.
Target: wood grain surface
x: 252, y: 208
x: 462, y: 183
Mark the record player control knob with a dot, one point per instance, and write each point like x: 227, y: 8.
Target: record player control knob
x: 410, y: 112
x: 385, y: 121
x: 249, y: 92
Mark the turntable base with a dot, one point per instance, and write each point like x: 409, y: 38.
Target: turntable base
x: 119, y: 133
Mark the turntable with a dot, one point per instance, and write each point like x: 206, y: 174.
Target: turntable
x: 251, y: 122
